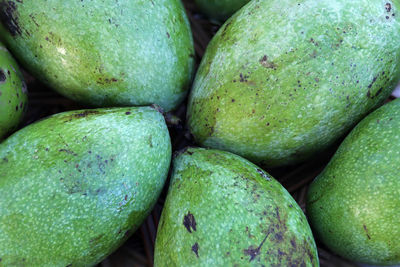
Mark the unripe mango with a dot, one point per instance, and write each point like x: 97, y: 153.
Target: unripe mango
x: 353, y: 205
x: 13, y: 93
x: 104, y: 52
x: 222, y: 210
x: 282, y: 80
x: 74, y: 186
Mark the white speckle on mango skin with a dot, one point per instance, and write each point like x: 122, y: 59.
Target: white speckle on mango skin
x: 76, y: 185
x: 353, y: 205
x: 283, y: 80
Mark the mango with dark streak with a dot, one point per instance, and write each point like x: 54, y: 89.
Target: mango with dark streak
x: 282, y: 80
x: 74, y: 186
x: 220, y: 9
x: 222, y: 210
x: 104, y: 52
x: 13, y: 93
x: 354, y: 204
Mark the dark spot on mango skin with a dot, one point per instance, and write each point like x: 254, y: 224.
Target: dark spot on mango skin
x: 3, y: 76
x: 96, y: 239
x: 86, y: 113
x: 189, y: 222
x: 281, y: 223
x: 378, y: 92
x: 9, y: 17
x: 68, y: 152
x: 307, y: 248
x: 195, y: 249
x: 279, y: 228
x: 388, y: 7
x: 263, y: 174
x: 225, y: 29
x: 293, y: 243
x: 243, y: 78
x: 370, y: 85
x: 103, y: 81
x: 369, y: 95
x: 33, y: 19
x: 277, y: 233
x: 253, y: 252
x: 279, y: 237
x: 366, y: 231
x: 266, y: 63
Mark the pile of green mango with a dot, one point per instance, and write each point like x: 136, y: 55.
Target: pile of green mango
x: 280, y: 83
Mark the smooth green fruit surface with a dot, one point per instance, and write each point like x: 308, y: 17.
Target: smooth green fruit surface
x: 353, y: 205
x: 104, y: 52
x: 13, y: 93
x: 222, y: 210
x: 220, y: 9
x: 283, y: 80
x: 74, y: 186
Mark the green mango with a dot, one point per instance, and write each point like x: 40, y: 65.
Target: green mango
x: 353, y: 205
x: 283, y: 79
x: 222, y: 210
x: 74, y: 186
x: 13, y: 93
x: 104, y: 52
x: 220, y: 9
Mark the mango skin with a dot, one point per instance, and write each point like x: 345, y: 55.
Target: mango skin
x: 283, y: 80
x: 353, y: 205
x: 220, y: 9
x: 104, y: 52
x: 13, y: 93
x: 74, y: 186
x: 222, y: 210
